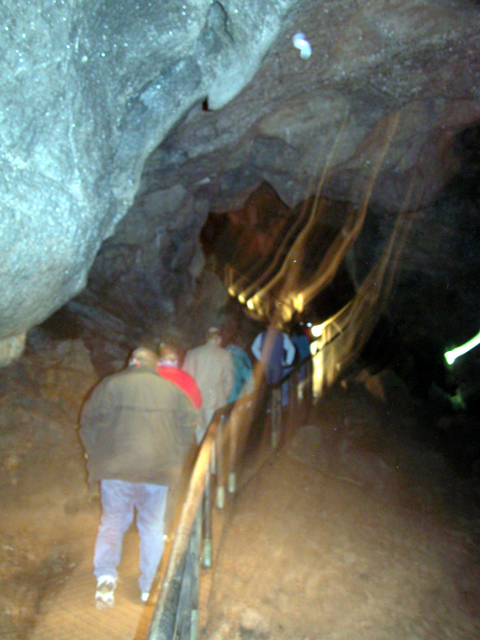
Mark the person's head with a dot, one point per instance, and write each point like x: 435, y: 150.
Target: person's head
x: 295, y: 329
x: 168, y: 355
x: 214, y: 336
x: 143, y: 357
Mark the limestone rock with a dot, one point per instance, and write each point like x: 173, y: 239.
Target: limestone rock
x: 87, y: 93
x: 122, y: 124
x: 11, y: 348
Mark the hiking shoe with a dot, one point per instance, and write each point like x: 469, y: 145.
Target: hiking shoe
x: 104, y: 595
x: 145, y: 596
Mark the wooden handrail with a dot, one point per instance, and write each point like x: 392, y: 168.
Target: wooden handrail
x: 176, y: 610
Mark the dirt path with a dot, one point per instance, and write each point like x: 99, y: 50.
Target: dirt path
x: 315, y: 549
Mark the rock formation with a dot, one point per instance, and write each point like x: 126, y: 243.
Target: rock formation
x: 123, y: 124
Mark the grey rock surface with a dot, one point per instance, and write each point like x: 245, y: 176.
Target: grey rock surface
x: 123, y: 124
x: 88, y: 90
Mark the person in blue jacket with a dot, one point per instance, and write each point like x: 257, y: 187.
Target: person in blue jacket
x: 276, y: 353
x: 242, y: 370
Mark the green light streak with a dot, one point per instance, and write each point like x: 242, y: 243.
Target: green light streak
x: 451, y: 356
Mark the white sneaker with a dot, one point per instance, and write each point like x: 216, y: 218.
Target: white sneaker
x: 104, y: 595
x: 145, y: 596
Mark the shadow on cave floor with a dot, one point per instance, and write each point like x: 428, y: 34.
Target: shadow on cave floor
x: 352, y: 529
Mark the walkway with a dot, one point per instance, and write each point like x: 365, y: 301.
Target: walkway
x: 347, y: 533
x: 73, y: 616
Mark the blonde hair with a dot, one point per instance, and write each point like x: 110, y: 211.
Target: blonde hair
x: 144, y: 356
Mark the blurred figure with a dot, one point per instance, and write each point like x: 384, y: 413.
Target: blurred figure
x: 276, y: 352
x: 302, y: 344
x: 242, y: 369
x: 169, y: 368
x: 138, y: 431
x: 212, y: 368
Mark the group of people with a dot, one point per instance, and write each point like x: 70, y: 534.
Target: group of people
x: 141, y: 428
x: 277, y: 351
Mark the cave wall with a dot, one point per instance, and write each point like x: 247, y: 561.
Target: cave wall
x: 123, y: 124
x: 88, y: 90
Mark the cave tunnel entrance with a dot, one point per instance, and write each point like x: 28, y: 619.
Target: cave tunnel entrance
x: 249, y: 247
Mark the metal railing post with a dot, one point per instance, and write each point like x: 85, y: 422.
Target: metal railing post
x: 220, y: 459
x: 207, y: 523
x: 213, y: 459
x: 187, y: 610
x: 196, y: 540
x: 233, y: 436
x: 225, y: 441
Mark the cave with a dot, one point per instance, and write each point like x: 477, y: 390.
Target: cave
x: 168, y: 167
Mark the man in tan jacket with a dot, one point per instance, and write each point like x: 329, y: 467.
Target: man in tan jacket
x: 212, y: 368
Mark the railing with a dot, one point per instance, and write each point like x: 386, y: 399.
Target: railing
x: 214, y: 476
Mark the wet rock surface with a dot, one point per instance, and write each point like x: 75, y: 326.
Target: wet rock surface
x: 123, y: 125
x: 88, y: 91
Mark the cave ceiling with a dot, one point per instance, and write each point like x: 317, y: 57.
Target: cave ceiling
x: 126, y: 126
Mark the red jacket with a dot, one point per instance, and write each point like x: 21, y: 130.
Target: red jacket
x: 183, y: 380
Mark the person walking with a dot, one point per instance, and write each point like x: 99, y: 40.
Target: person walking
x: 168, y: 367
x: 212, y: 368
x: 302, y: 344
x: 276, y: 352
x: 138, y: 431
x: 243, y: 372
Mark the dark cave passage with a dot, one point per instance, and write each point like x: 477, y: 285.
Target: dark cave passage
x: 149, y: 151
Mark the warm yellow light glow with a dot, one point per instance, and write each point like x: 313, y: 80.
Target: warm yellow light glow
x: 317, y: 330
x: 231, y: 290
x: 298, y: 303
x: 277, y: 291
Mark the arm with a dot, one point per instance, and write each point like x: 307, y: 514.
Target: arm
x: 228, y: 375
x: 289, y: 350
x: 256, y: 350
x: 187, y: 420
x: 247, y: 371
x: 94, y: 414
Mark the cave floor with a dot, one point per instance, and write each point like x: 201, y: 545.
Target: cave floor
x: 308, y: 556
x: 352, y: 529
